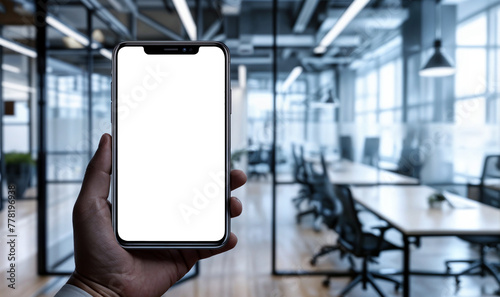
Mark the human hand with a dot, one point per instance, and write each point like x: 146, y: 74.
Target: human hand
x: 102, y: 266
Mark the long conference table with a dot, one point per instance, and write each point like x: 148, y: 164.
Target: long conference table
x: 345, y: 172
x: 340, y: 172
x: 402, y: 202
x: 406, y: 209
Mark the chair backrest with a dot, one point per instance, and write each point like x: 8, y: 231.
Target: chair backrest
x: 491, y: 175
x: 324, y: 166
x: 302, y: 161
x: 346, y: 149
x: 331, y: 208
x: 298, y: 166
x: 254, y: 156
x: 410, y: 162
x: 371, y: 151
x: 266, y: 156
x: 491, y: 168
x: 309, y: 173
x: 349, y: 228
x: 294, y: 155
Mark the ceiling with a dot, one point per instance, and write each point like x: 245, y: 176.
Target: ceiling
x: 246, y: 26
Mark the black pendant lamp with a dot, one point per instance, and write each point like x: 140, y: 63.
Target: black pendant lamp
x: 438, y: 65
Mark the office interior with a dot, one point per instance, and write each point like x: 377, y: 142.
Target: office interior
x: 369, y: 131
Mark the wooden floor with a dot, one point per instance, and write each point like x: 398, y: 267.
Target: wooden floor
x: 245, y: 271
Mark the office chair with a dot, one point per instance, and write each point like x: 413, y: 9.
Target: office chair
x: 484, y: 242
x: 353, y: 240
x: 371, y: 151
x: 303, y: 175
x: 346, y: 149
x: 299, y: 177
x: 410, y: 162
x: 256, y: 158
x: 491, y: 171
x: 330, y: 212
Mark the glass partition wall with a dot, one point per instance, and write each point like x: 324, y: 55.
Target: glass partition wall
x: 307, y: 118
x: 363, y: 101
x: 74, y: 67
x: 18, y: 97
x: 75, y: 121
x: 77, y: 111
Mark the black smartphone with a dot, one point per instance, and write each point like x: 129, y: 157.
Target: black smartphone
x: 171, y: 144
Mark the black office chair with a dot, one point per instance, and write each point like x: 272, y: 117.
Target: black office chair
x: 483, y: 267
x: 346, y: 149
x: 491, y: 171
x: 371, y: 151
x: 410, y: 162
x: 330, y: 212
x: 491, y: 174
x: 299, y: 177
x: 353, y: 240
x: 310, y: 182
x: 256, y: 158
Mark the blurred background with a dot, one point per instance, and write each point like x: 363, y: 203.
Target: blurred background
x: 406, y: 87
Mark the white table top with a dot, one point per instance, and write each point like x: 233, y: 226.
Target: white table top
x: 346, y: 172
x: 407, y: 209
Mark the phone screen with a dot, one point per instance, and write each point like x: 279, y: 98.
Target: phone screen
x: 171, y: 145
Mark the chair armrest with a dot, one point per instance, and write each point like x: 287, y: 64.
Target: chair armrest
x: 382, y: 229
x: 359, y: 208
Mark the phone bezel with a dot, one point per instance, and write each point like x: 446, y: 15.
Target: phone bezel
x: 114, y: 121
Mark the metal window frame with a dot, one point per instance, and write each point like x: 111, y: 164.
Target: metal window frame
x: 41, y: 11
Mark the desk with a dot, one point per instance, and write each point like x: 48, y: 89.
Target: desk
x: 340, y: 172
x: 351, y: 173
x: 406, y: 209
x: 345, y: 172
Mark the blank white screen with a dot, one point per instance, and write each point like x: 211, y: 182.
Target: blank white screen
x: 171, y: 145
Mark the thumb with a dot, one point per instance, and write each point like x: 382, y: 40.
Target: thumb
x: 92, y: 230
x: 95, y: 187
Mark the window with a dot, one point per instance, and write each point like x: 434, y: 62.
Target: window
x: 470, y: 76
x: 473, y: 31
x: 477, y: 85
x: 379, y: 87
x: 477, y: 90
x: 366, y: 97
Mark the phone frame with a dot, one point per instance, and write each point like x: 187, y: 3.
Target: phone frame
x: 114, y: 123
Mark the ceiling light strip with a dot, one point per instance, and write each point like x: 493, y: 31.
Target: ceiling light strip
x: 344, y: 20
x: 66, y: 30
x: 17, y: 87
x: 14, y: 46
x: 11, y: 68
x: 106, y: 53
x: 294, y: 74
x: 186, y: 18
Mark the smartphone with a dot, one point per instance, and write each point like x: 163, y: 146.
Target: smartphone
x: 171, y: 144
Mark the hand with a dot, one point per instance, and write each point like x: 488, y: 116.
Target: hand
x: 103, y: 267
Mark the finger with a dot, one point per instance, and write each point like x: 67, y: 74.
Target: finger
x: 235, y: 207
x: 230, y: 244
x: 238, y: 179
x: 92, y: 209
x: 97, y: 177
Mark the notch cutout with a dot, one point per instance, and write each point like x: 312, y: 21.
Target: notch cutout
x: 171, y: 49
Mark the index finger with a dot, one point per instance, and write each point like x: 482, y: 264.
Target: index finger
x: 238, y: 178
